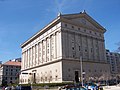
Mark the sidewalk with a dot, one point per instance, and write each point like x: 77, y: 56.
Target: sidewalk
x: 111, y: 88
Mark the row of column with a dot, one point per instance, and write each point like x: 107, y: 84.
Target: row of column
x: 41, y: 52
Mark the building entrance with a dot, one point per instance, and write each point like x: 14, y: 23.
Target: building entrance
x: 76, y: 76
x: 34, y: 77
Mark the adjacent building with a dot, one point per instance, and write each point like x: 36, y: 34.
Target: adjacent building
x: 113, y: 59
x: 9, y: 72
x: 70, y: 48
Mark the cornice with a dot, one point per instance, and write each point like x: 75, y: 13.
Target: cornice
x: 81, y: 25
x: 46, y: 28
x: 84, y: 61
x: 86, y: 16
x: 44, y: 64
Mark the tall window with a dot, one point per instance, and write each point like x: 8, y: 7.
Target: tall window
x: 52, y: 47
x: 44, y: 51
x: 79, y: 48
x: 32, y: 55
x: 73, y: 46
x: 48, y: 48
x: 39, y: 52
x: 56, y: 77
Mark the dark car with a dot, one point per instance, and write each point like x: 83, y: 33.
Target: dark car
x: 23, y: 88
x: 73, y: 87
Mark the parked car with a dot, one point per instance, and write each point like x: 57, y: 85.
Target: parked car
x: 73, y: 87
x: 7, y: 88
x: 23, y: 88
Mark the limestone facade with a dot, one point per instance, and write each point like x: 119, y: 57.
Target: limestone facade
x: 53, y: 54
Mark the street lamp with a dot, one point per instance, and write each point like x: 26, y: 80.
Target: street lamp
x: 81, y: 70
x: 81, y: 67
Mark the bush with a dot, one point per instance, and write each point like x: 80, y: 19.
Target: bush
x: 48, y: 84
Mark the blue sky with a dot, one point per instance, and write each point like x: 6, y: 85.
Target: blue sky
x: 20, y: 19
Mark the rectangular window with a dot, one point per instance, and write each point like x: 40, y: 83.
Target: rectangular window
x: 73, y: 27
x: 72, y: 48
x: 35, y: 52
x: 32, y: 53
x: 79, y: 48
x: 91, y: 50
x: 78, y: 28
x: 85, y: 50
x: 56, y: 78
x: 65, y: 25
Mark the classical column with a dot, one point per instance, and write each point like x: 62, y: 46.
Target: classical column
x: 42, y: 51
x: 36, y: 54
x: 49, y: 49
x: 87, y: 46
x: 92, y: 48
x: 28, y: 61
x: 45, y: 50
x: 32, y: 55
x: 23, y: 60
x: 55, y: 45
x: 59, y: 44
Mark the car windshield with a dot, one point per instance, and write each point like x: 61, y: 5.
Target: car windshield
x: 83, y: 89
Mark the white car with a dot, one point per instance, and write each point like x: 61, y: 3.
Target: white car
x: 7, y: 88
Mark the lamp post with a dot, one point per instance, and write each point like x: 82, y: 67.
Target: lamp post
x: 81, y: 67
x: 81, y: 70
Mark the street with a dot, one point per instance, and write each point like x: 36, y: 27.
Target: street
x: 112, y: 88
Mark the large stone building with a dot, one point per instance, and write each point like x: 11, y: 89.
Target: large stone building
x: 9, y: 71
x: 54, y: 53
